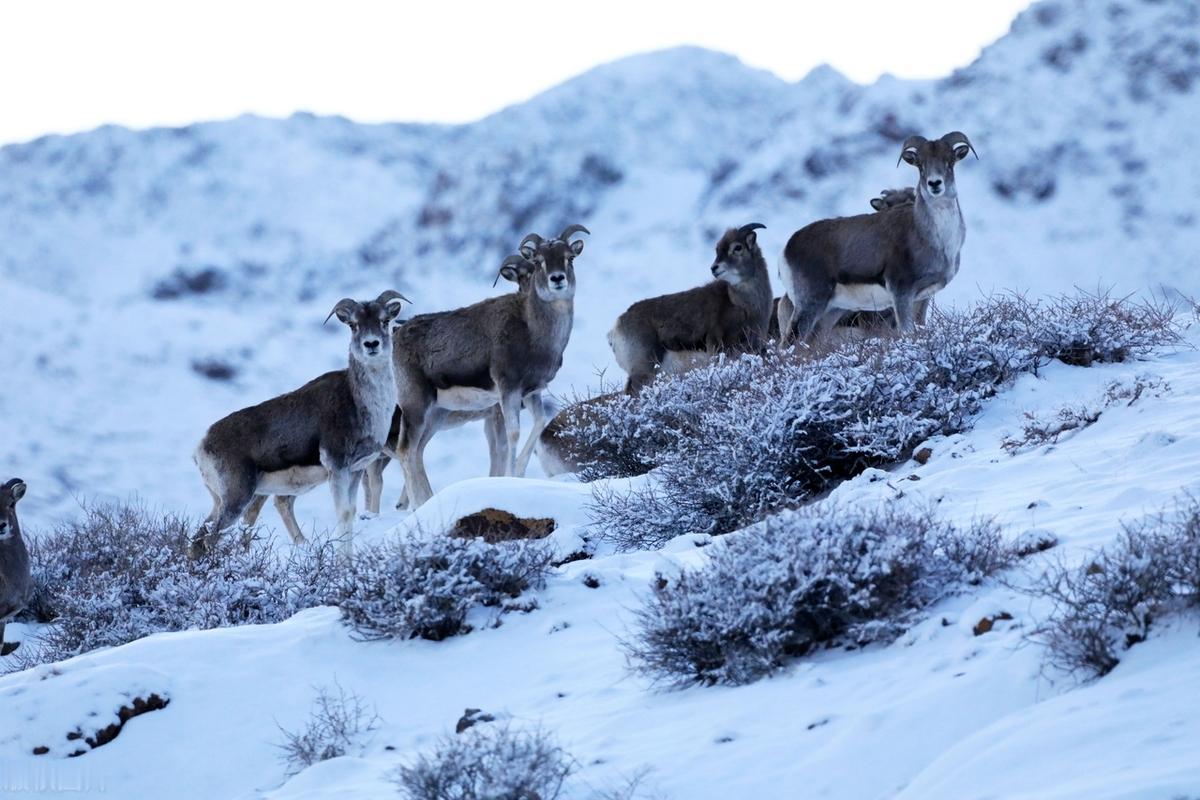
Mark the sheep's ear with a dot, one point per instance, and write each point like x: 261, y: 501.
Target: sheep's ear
x: 577, y: 246
x: 750, y: 238
x: 16, y: 487
x: 392, y: 302
x: 877, y: 203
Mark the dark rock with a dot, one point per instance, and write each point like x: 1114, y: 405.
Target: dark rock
x: 494, y: 525
x: 987, y: 623
x: 472, y: 717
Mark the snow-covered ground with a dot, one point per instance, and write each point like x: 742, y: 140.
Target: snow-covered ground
x: 941, y: 713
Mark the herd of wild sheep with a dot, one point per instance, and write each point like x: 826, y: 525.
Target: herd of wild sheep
x: 407, y: 380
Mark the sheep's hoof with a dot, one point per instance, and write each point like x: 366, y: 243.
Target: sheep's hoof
x: 8, y: 648
x: 365, y: 515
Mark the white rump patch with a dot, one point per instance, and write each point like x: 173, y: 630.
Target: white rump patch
x: 861, y: 297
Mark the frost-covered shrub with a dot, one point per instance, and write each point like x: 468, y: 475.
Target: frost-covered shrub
x: 489, y: 763
x: 1109, y: 603
x: 801, y: 580
x: 122, y: 572
x: 1037, y: 430
x: 738, y: 439
x: 425, y: 587
x: 337, y: 723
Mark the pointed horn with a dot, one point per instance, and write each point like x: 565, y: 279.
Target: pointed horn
x: 911, y: 143
x: 515, y: 260
x: 346, y: 303
x: 753, y: 226
x: 389, y: 295
x: 958, y: 137
x: 570, y: 231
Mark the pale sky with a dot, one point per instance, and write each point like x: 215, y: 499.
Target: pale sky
x: 67, y: 66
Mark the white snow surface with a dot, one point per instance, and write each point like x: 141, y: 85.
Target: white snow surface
x: 940, y: 713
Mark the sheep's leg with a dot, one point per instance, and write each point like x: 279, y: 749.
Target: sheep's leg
x: 231, y: 499
x: 804, y: 319
x: 6, y: 647
x: 829, y: 321
x: 510, y: 408
x: 635, y: 352
x: 902, y: 304
x: 783, y: 316
x: 342, y: 486
x: 493, y: 429
x: 416, y: 482
x: 253, y: 510
x: 534, y: 403
x: 373, y: 485
x: 921, y: 309
x: 285, y: 505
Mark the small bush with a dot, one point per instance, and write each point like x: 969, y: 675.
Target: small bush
x: 803, y: 579
x: 425, y: 588
x: 741, y: 438
x: 337, y: 723
x: 122, y: 572
x: 489, y: 763
x: 1109, y: 603
x: 1039, y: 430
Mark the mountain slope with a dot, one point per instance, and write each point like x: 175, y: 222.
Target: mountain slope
x: 941, y: 714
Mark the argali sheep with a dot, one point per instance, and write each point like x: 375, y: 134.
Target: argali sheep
x: 330, y: 429
x: 502, y: 351
x: 16, y: 583
x: 732, y: 311
x: 888, y: 198
x: 891, y: 259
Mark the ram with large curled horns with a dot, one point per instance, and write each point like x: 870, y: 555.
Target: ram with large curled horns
x: 500, y: 351
x: 330, y: 429
x: 895, y: 259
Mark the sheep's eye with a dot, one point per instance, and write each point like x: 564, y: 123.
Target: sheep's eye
x: 737, y: 248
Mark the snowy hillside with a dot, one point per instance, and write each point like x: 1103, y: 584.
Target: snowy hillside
x: 152, y: 281
x: 948, y: 712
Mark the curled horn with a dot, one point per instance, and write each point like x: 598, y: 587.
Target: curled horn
x: 911, y: 143
x: 530, y: 237
x: 389, y: 295
x: 753, y: 226
x: 347, y: 304
x: 515, y: 260
x: 958, y: 137
x: 570, y: 231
